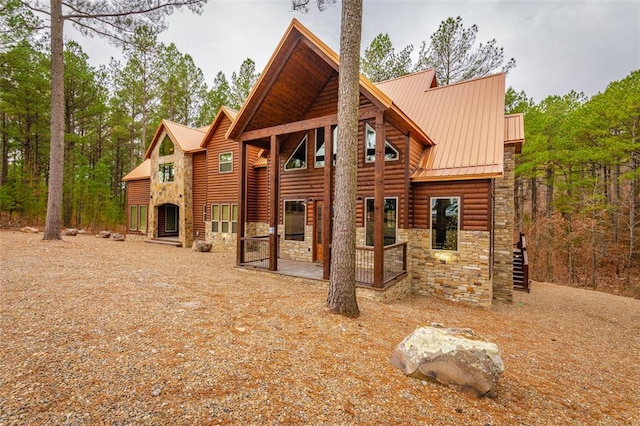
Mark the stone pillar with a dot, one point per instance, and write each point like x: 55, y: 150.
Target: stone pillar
x: 503, y: 234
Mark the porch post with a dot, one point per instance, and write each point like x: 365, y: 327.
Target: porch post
x: 378, y: 204
x: 274, y: 173
x: 327, y: 220
x: 242, y: 204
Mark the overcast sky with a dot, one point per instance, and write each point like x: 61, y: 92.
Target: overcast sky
x: 558, y: 45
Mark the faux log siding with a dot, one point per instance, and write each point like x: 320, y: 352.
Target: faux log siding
x: 138, y: 192
x: 258, y: 196
x: 221, y: 187
x: 199, y: 186
x: 309, y: 183
x: 475, y: 197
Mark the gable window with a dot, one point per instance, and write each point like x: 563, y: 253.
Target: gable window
x: 298, y: 159
x: 166, y: 172
x: 390, y: 153
x: 225, y: 162
x: 445, y: 223
x: 133, y: 218
x: 320, y: 146
x: 294, y: 220
x: 166, y: 147
x: 215, y: 217
x: 390, y: 226
x: 142, y: 222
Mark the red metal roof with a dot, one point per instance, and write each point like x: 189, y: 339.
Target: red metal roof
x: 514, y: 130
x: 465, y: 121
x: 186, y: 138
x: 143, y: 171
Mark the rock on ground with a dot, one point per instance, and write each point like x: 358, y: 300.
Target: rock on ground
x: 103, y: 234
x: 116, y: 237
x: 456, y: 357
x: 201, y: 246
x: 29, y: 230
x: 69, y: 232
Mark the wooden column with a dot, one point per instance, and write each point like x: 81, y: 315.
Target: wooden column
x: 407, y: 185
x: 242, y: 202
x: 274, y: 175
x: 327, y: 220
x: 378, y: 204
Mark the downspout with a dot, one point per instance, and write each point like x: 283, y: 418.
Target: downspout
x: 492, y: 227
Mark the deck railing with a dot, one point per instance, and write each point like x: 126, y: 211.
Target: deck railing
x: 256, y: 251
x: 395, y: 263
x: 521, y: 265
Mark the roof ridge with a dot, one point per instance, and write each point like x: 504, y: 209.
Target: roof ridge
x: 412, y: 74
x: 198, y: 129
x: 471, y: 80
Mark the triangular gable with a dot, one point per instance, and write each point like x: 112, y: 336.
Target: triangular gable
x: 302, y: 64
x: 184, y: 137
x: 223, y: 112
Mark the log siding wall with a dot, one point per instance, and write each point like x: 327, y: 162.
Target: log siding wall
x: 199, y: 183
x: 137, y: 194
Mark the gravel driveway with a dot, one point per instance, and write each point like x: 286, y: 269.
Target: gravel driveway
x: 101, y: 332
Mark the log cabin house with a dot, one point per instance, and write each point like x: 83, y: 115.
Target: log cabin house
x: 435, y: 198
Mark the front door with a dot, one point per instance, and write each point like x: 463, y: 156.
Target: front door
x: 318, y: 248
x: 171, y: 219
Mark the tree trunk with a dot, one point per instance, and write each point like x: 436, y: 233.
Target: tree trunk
x: 56, y: 156
x: 342, y: 286
x: 5, y: 150
x: 534, y: 199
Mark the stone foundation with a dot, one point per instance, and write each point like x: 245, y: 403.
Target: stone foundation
x: 297, y: 250
x: 461, y: 276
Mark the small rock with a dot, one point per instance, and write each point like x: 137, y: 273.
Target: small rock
x: 201, y: 246
x: 104, y: 234
x: 116, y: 237
x: 156, y: 392
x: 72, y: 232
x: 29, y: 230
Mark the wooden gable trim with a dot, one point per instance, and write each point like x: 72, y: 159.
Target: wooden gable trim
x: 261, y: 88
x: 298, y: 126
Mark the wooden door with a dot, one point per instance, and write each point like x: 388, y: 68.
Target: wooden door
x: 318, y: 248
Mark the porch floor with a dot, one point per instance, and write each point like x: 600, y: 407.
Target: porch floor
x: 296, y: 268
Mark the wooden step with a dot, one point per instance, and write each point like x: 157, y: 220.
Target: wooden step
x: 174, y: 243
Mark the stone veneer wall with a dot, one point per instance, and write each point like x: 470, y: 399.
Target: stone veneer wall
x: 178, y: 192
x: 465, y: 277
x: 297, y: 250
x: 504, y: 222
x: 228, y: 241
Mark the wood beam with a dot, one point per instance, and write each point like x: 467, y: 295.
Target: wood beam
x: 242, y: 203
x: 298, y: 126
x: 274, y: 177
x: 378, y: 204
x: 327, y: 220
x: 407, y: 183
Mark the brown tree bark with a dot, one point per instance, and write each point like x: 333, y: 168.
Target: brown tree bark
x: 342, y: 287
x: 56, y: 156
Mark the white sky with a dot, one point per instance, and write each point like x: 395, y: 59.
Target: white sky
x: 558, y: 45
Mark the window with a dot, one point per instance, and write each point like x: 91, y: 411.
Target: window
x: 444, y: 223
x: 165, y: 172
x: 390, y: 221
x: 294, y: 220
x: 225, y: 162
x: 224, y: 218
x: 171, y: 217
x: 298, y: 159
x: 142, y: 222
x: 319, y: 151
x: 133, y: 218
x: 215, y: 217
x: 204, y: 213
x: 390, y: 153
x: 166, y: 147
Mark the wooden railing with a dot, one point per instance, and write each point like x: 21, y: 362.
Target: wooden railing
x: 395, y: 263
x: 256, y: 251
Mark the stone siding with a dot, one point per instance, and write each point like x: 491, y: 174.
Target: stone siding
x: 297, y: 250
x: 504, y: 222
x: 178, y: 192
x: 461, y: 276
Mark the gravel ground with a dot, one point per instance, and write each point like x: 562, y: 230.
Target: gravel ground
x: 100, y: 332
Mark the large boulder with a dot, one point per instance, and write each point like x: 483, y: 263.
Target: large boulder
x: 456, y: 357
x: 103, y: 234
x: 201, y: 246
x: 69, y: 232
x: 29, y: 230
